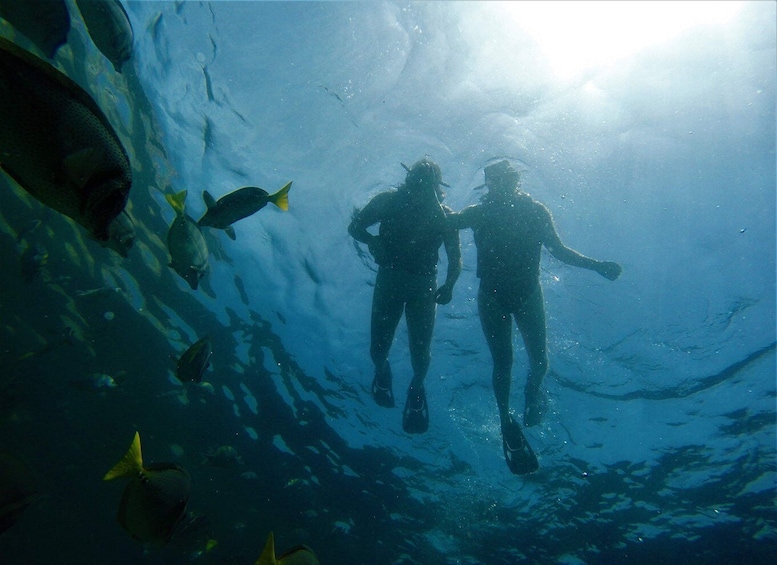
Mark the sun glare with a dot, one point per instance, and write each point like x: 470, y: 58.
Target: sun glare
x: 578, y: 36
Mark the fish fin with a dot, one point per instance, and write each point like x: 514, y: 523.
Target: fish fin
x: 281, y: 198
x: 79, y: 165
x: 268, y: 555
x: 177, y: 201
x: 230, y: 231
x: 210, y: 202
x: 131, y: 463
x: 299, y: 554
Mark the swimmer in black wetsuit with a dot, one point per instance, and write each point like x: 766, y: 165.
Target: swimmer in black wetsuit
x: 510, y: 229
x: 413, y: 226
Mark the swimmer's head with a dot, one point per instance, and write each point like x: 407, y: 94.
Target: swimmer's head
x: 502, y: 177
x: 424, y: 175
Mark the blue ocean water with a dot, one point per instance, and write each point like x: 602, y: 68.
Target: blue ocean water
x: 660, y: 442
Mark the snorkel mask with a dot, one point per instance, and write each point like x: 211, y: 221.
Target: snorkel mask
x: 501, y: 177
x: 425, y: 174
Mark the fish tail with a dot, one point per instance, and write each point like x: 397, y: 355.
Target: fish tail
x: 281, y: 198
x: 131, y: 463
x: 177, y: 201
x: 268, y: 555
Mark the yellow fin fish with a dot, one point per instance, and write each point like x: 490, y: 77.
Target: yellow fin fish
x: 177, y: 201
x: 155, y: 499
x: 185, y: 243
x: 130, y: 465
x: 239, y: 204
x: 281, y: 198
x: 298, y: 555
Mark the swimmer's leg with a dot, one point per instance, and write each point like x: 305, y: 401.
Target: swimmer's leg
x: 497, y: 329
x: 531, y: 323
x: 387, y: 307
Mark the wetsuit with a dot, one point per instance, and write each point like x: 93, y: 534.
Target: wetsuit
x: 407, y: 251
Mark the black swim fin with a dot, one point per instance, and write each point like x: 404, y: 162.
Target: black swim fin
x: 381, y: 387
x: 415, y: 417
x: 518, y: 453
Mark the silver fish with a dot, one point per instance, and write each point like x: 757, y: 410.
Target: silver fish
x: 57, y: 144
x: 110, y: 29
x: 95, y: 381
x: 240, y: 204
x: 101, y: 291
x: 187, y: 247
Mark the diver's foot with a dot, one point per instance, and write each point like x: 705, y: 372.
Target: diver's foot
x: 415, y: 417
x: 381, y: 387
x: 535, y: 407
x: 518, y: 453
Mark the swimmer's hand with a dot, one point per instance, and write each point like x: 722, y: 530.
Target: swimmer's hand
x: 609, y: 269
x: 444, y: 294
x: 378, y: 251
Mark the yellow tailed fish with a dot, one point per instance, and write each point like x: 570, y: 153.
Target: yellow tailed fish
x: 299, y: 555
x: 187, y: 247
x: 239, y: 204
x: 155, y: 499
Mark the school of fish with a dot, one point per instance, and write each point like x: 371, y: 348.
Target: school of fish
x: 58, y: 145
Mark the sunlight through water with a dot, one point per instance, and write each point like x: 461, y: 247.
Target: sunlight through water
x: 577, y: 37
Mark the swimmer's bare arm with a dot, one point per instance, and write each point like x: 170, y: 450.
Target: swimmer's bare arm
x: 464, y: 219
x: 371, y: 214
x: 607, y: 269
x: 453, y: 251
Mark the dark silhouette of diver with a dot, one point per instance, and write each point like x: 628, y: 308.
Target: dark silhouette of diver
x: 510, y: 229
x: 413, y: 225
